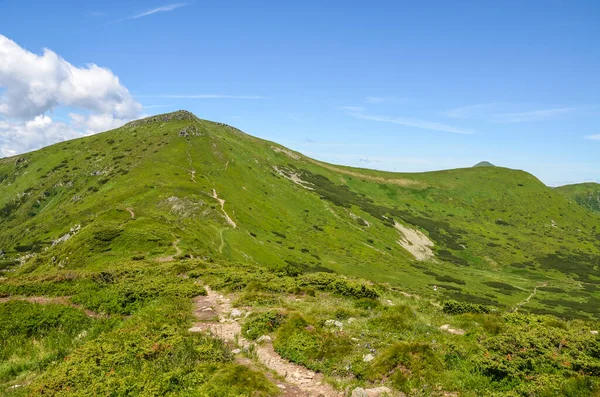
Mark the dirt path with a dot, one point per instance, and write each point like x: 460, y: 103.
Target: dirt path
x: 131, y: 212
x: 213, y: 312
x: 58, y: 300
x: 170, y: 258
x: 524, y: 302
x: 222, y: 202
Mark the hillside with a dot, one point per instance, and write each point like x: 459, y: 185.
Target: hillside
x: 117, y: 220
x: 585, y: 194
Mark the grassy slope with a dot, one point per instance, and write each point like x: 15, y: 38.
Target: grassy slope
x: 584, y: 194
x: 499, y: 233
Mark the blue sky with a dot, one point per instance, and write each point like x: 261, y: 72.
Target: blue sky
x: 393, y: 85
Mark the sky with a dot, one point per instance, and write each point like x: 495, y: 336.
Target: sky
x: 403, y: 86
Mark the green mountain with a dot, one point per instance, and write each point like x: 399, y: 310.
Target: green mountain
x: 585, y: 194
x: 126, y: 222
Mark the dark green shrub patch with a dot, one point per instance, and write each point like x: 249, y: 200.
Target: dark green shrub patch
x: 455, y: 307
x: 260, y: 324
x: 407, y: 365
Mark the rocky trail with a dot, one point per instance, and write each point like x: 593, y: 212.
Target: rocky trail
x: 526, y: 300
x: 131, y: 212
x: 216, y: 316
x: 222, y: 203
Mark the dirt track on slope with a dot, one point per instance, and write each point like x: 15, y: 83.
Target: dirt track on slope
x: 213, y: 313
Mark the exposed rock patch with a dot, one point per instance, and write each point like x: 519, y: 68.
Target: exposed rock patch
x: 67, y: 236
x: 292, y: 176
x: 287, y: 152
x: 454, y: 331
x: 415, y: 242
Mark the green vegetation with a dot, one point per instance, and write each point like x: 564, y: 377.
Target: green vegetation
x: 585, y: 194
x: 123, y: 229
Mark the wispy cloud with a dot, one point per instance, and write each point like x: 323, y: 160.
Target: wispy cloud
x: 465, y: 112
x: 495, y: 112
x: 408, y: 122
x: 352, y: 108
x: 377, y: 100
x: 202, y: 96
x: 536, y: 115
x: 157, y: 106
x: 595, y: 137
x: 165, y: 8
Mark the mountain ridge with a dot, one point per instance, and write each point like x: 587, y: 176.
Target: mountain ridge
x: 205, y: 159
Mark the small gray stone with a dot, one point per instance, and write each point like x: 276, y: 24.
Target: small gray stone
x: 236, y: 351
x: 264, y: 339
x: 236, y: 313
x: 330, y: 323
x: 359, y: 392
x: 368, y: 358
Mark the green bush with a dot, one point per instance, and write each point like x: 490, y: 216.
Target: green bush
x: 408, y: 365
x: 344, y: 287
x: 455, y: 307
x: 259, y: 324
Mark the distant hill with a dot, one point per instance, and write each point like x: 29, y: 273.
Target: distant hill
x: 585, y: 194
x: 484, y: 164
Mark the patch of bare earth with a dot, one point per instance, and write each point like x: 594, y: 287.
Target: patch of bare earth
x: 213, y: 313
x: 415, y: 242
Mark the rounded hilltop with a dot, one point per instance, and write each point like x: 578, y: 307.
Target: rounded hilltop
x: 178, y: 115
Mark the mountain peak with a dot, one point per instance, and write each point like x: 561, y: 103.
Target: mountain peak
x: 484, y: 164
x: 178, y: 115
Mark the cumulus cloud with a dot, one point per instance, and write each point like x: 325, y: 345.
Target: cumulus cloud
x: 32, y: 85
x: 22, y: 136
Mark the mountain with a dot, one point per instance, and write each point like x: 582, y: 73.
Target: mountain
x: 484, y: 164
x: 117, y: 220
x: 585, y: 194
x: 220, y: 193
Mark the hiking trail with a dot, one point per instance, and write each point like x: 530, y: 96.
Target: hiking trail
x: 213, y: 313
x: 222, y: 202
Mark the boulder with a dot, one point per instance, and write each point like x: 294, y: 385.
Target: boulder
x: 236, y: 313
x: 264, y: 339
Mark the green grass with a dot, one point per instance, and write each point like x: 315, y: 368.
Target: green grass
x: 498, y: 234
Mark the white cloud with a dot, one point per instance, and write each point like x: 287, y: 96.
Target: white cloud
x: 95, y: 123
x: 22, y: 136
x: 422, y: 124
x: 593, y: 137
x: 32, y: 85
